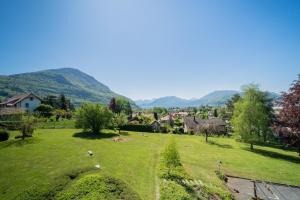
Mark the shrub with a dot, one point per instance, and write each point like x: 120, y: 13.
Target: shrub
x: 175, y: 173
x: 27, y: 129
x: 98, y: 187
x: 172, y: 190
x: 4, y: 135
x: 137, y: 128
x: 171, y: 156
x: 93, y: 117
x: 44, y: 110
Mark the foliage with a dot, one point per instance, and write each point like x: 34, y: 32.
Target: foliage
x: 98, y: 187
x: 230, y: 103
x: 44, y: 110
x: 54, y: 152
x: 93, y: 117
x: 171, y: 156
x: 287, y: 123
x: 113, y: 105
x: 53, y: 124
x: 119, y: 120
x: 27, y: 126
x: 58, y: 102
x: 137, y: 128
x: 160, y: 110
x: 4, y: 135
x: 172, y: 172
x: 251, y: 117
x: 172, y: 190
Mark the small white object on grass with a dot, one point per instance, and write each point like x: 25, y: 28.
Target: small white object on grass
x: 97, y: 166
x: 90, y: 153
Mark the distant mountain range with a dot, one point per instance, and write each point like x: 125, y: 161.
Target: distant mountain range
x: 216, y: 98
x: 78, y: 86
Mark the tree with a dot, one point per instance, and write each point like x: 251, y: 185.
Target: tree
x: 155, y: 115
x: 93, y: 117
x: 119, y: 120
x: 27, y: 126
x: 112, y: 105
x: 287, y: 123
x: 207, y: 128
x: 63, y: 102
x: 44, y: 110
x: 230, y: 104
x: 215, y: 112
x: 250, y: 117
x: 160, y: 110
x: 120, y: 105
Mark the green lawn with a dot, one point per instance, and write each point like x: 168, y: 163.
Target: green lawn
x: 53, y: 153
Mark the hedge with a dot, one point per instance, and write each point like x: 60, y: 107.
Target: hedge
x: 4, y: 135
x: 137, y: 128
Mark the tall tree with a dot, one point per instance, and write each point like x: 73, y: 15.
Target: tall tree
x: 112, y: 105
x: 287, y: 123
x: 251, y: 117
x: 230, y: 104
x: 93, y: 117
x: 119, y: 120
x: 63, y: 102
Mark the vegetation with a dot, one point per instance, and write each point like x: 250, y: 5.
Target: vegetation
x: 27, y: 126
x: 119, y: 120
x: 137, y: 128
x: 172, y: 173
x: 61, y: 151
x: 44, y: 110
x: 93, y: 117
x: 172, y: 190
x: 4, y: 135
x: 98, y: 187
x: 251, y: 117
x: 287, y: 124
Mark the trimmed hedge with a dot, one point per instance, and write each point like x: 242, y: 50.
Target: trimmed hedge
x: 172, y: 190
x: 98, y: 187
x: 4, y: 135
x: 172, y: 173
x: 137, y: 128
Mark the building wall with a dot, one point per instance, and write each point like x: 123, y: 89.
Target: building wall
x: 32, y: 104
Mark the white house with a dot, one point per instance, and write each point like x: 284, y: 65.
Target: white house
x: 27, y: 102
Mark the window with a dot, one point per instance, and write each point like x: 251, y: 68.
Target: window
x: 27, y: 105
x: 31, y: 98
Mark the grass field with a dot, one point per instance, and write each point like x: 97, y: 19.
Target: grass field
x: 52, y: 153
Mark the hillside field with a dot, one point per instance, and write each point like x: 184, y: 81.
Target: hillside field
x: 53, y: 153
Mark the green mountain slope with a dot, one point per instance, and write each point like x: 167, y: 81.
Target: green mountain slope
x: 78, y: 86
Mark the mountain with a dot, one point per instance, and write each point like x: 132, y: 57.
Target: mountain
x: 76, y: 85
x: 215, y: 98
x: 169, y: 101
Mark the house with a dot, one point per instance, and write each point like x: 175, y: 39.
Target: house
x: 194, y: 125
x: 155, y: 126
x: 180, y: 114
x: 168, y: 119
x: 27, y: 102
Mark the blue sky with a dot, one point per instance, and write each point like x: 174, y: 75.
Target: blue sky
x: 146, y: 49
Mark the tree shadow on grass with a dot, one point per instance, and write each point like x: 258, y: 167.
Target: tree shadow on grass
x: 226, y: 146
x: 275, y: 155
x: 18, y: 142
x: 93, y: 136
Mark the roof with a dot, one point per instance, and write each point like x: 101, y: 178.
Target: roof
x: 195, y: 123
x: 15, y: 99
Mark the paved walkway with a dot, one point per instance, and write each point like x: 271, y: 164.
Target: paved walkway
x: 244, y: 189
